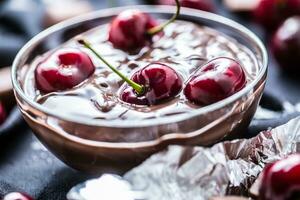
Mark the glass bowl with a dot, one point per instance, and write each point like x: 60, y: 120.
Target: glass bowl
x: 97, y: 145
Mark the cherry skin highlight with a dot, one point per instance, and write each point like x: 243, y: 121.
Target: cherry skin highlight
x: 216, y: 80
x: 63, y: 69
x: 281, y: 180
x: 128, y: 31
x: 205, y: 5
x: 2, y: 114
x: 161, y: 82
x: 286, y: 45
x: 17, y: 196
x: 271, y: 13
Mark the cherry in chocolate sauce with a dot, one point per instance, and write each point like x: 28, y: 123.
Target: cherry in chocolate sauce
x: 63, y: 69
x: 150, y: 85
x: 128, y: 29
x: 17, y: 196
x: 2, y: 114
x: 286, y: 44
x: 161, y: 81
x: 281, y: 180
x: 216, y: 80
x: 270, y: 13
x: 133, y: 29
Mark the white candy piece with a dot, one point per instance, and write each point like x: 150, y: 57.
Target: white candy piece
x: 107, y: 187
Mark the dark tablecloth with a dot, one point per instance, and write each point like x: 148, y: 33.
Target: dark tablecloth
x: 25, y: 165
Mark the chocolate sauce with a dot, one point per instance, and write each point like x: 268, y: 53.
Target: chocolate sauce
x: 185, y: 46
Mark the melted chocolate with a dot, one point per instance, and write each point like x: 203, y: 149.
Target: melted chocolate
x: 184, y: 46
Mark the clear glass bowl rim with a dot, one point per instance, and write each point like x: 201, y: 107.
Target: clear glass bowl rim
x: 148, y: 122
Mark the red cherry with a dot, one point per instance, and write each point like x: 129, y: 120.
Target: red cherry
x: 128, y: 30
x: 63, y: 69
x: 270, y: 13
x: 281, y: 180
x: 17, y: 196
x: 216, y: 80
x: 161, y: 83
x: 2, y: 114
x: 205, y: 5
x: 286, y: 44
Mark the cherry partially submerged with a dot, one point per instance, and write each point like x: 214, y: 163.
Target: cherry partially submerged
x: 63, y: 69
x: 150, y: 85
x: 216, y: 80
x: 161, y: 83
x: 133, y: 29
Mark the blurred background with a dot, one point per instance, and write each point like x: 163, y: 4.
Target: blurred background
x: 27, y: 166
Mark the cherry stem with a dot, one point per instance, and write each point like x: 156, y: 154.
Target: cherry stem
x: 137, y: 87
x: 160, y: 27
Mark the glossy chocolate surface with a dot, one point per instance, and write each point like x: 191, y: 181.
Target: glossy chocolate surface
x: 184, y: 46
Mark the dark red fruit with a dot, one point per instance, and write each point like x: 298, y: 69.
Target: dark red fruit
x: 286, y: 44
x: 2, y: 114
x: 216, y: 80
x: 281, y: 180
x: 206, y: 5
x: 270, y: 13
x: 17, y: 196
x: 128, y: 31
x: 161, y: 83
x: 63, y: 69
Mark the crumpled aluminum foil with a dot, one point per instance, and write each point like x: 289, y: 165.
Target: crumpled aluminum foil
x: 197, y: 173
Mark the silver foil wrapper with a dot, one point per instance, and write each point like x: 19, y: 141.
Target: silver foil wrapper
x: 197, y: 173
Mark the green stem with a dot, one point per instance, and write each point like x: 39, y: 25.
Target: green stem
x: 137, y: 87
x: 159, y: 28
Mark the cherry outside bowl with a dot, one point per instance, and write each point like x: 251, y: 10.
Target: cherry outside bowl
x: 97, y: 145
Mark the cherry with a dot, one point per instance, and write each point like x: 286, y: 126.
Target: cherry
x: 63, y: 69
x: 150, y: 85
x: 281, y: 180
x: 128, y: 30
x: 216, y: 80
x: 17, y: 196
x: 286, y: 44
x: 133, y: 29
x: 2, y: 114
x: 270, y: 13
x: 205, y: 5
x: 161, y: 81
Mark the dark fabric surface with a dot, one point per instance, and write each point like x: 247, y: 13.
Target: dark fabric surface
x: 25, y: 165
x: 271, y: 103
x: 17, y: 26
